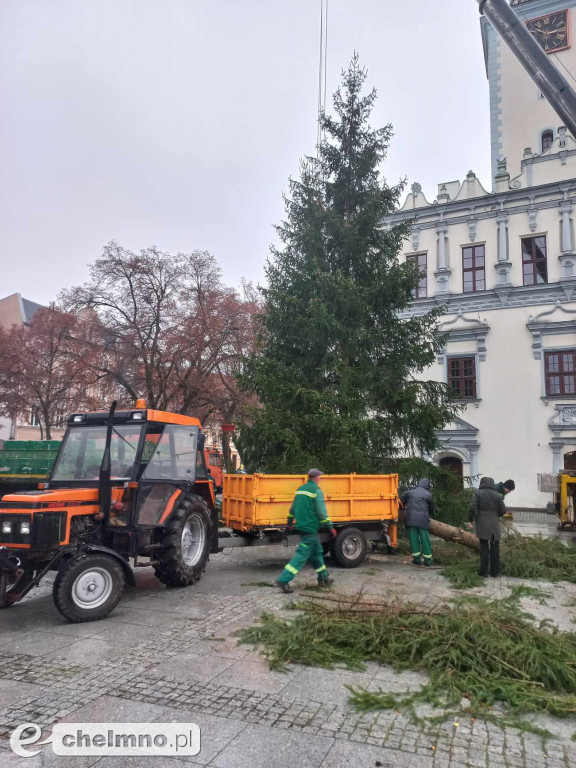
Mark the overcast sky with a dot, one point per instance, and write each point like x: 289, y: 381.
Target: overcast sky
x: 178, y: 122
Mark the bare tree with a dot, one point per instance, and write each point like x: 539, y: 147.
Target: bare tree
x: 161, y: 326
x: 43, y: 370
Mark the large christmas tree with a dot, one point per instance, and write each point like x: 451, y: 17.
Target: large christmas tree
x: 336, y: 371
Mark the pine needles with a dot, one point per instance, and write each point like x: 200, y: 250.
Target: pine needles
x: 532, y: 558
x: 473, y: 649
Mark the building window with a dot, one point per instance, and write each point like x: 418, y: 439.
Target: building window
x: 560, y: 367
x: 462, y: 377
x: 534, y: 266
x: 547, y: 140
x: 473, y: 268
x: 419, y: 259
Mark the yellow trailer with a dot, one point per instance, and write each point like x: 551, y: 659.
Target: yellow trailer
x: 363, y: 508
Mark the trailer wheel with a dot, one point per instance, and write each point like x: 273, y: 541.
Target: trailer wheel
x: 88, y: 587
x: 350, y: 548
x: 185, y: 543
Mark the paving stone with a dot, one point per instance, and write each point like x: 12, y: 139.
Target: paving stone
x: 215, y: 732
x: 326, y: 685
x: 254, y: 675
x: 346, y: 754
x: 12, y: 692
x: 188, y: 667
x: 37, y: 643
x: 263, y: 747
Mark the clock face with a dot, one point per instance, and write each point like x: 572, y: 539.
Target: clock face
x: 551, y: 31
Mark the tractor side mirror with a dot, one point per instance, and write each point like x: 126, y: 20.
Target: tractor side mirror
x: 201, y: 441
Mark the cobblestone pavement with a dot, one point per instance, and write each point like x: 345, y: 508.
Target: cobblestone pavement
x: 170, y: 656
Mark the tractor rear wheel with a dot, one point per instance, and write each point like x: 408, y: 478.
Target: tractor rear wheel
x: 88, y: 587
x: 185, y: 543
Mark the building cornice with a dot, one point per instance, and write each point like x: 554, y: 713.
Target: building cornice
x: 540, y: 326
x: 459, y: 211
x: 502, y: 297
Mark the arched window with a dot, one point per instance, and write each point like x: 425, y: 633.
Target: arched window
x: 547, y: 140
x: 453, y: 465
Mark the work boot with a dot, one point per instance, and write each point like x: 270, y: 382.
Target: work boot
x: 325, y: 583
x: 286, y: 588
x: 416, y: 561
x: 428, y: 563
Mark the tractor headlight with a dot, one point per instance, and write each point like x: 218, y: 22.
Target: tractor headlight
x: 7, y: 527
x: 25, y: 528
x: 138, y: 416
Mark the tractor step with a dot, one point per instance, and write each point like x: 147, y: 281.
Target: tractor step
x: 147, y: 565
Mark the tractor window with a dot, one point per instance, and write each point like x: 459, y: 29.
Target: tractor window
x: 83, y: 449
x: 215, y: 460
x: 172, y: 454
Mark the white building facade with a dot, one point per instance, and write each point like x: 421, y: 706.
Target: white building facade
x: 502, y: 265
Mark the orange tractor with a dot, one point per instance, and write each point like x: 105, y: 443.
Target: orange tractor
x: 126, y: 485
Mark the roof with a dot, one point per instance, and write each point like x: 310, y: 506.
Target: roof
x: 29, y: 309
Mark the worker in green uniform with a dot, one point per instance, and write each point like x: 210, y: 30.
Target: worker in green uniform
x: 307, y: 516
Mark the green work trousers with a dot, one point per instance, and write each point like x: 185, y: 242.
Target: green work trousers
x: 309, y: 549
x: 420, y: 545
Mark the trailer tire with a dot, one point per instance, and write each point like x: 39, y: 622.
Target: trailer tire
x: 185, y: 543
x: 350, y: 547
x: 88, y: 587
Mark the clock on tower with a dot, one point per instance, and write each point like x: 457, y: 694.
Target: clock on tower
x: 551, y: 31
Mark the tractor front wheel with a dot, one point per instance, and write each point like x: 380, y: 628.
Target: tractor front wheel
x: 185, y: 544
x: 88, y: 587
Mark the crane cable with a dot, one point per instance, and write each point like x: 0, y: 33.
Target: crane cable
x: 322, y: 76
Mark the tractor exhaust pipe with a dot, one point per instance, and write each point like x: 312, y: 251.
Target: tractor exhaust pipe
x: 538, y: 64
x: 104, y: 486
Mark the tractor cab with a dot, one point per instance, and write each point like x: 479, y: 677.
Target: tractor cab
x: 127, y: 486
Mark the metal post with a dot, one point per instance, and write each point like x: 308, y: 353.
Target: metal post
x: 553, y: 85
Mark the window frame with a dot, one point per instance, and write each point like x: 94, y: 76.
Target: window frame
x: 474, y: 269
x: 534, y: 260
x: 561, y: 374
x: 417, y: 292
x: 547, y: 133
x: 461, y: 357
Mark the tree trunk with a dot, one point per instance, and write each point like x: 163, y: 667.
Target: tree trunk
x: 226, y: 452
x: 450, y: 533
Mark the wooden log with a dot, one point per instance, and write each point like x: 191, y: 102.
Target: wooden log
x: 457, y: 535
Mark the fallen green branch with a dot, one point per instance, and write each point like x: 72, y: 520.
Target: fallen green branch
x: 534, y: 558
x: 485, y: 652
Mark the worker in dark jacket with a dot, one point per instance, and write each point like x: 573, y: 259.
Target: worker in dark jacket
x: 505, y: 488
x: 486, y: 509
x: 418, y: 509
x: 307, y: 516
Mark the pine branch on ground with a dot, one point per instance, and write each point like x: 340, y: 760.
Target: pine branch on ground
x: 484, y: 652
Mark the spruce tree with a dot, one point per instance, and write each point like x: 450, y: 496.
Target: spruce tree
x: 336, y: 373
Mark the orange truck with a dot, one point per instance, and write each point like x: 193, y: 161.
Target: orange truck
x: 214, y: 463
x: 130, y: 489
